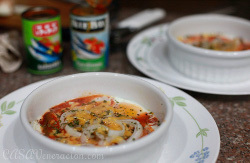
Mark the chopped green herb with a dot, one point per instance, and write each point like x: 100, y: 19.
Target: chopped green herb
x: 108, y: 111
x: 70, y: 124
x: 93, y: 114
x: 57, y: 131
x: 76, y: 121
x: 102, y: 122
x: 118, y: 115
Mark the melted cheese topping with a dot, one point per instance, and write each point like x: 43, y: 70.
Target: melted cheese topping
x: 96, y: 120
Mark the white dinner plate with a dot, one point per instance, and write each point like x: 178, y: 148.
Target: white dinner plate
x: 193, y: 134
x: 147, y: 51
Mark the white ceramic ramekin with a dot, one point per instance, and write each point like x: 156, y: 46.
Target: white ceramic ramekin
x: 209, y: 65
x: 145, y: 150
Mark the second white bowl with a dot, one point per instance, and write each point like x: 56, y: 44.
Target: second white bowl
x: 209, y: 65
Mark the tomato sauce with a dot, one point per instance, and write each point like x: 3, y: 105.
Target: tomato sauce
x: 216, y: 42
x: 91, y: 110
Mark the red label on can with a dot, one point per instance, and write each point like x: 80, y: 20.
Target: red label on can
x: 45, y: 29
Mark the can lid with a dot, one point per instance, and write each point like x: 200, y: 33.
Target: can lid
x: 99, y: 4
x: 40, y: 13
x: 85, y: 9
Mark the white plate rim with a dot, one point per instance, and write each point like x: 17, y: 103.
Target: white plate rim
x: 187, y: 86
x: 22, y: 93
